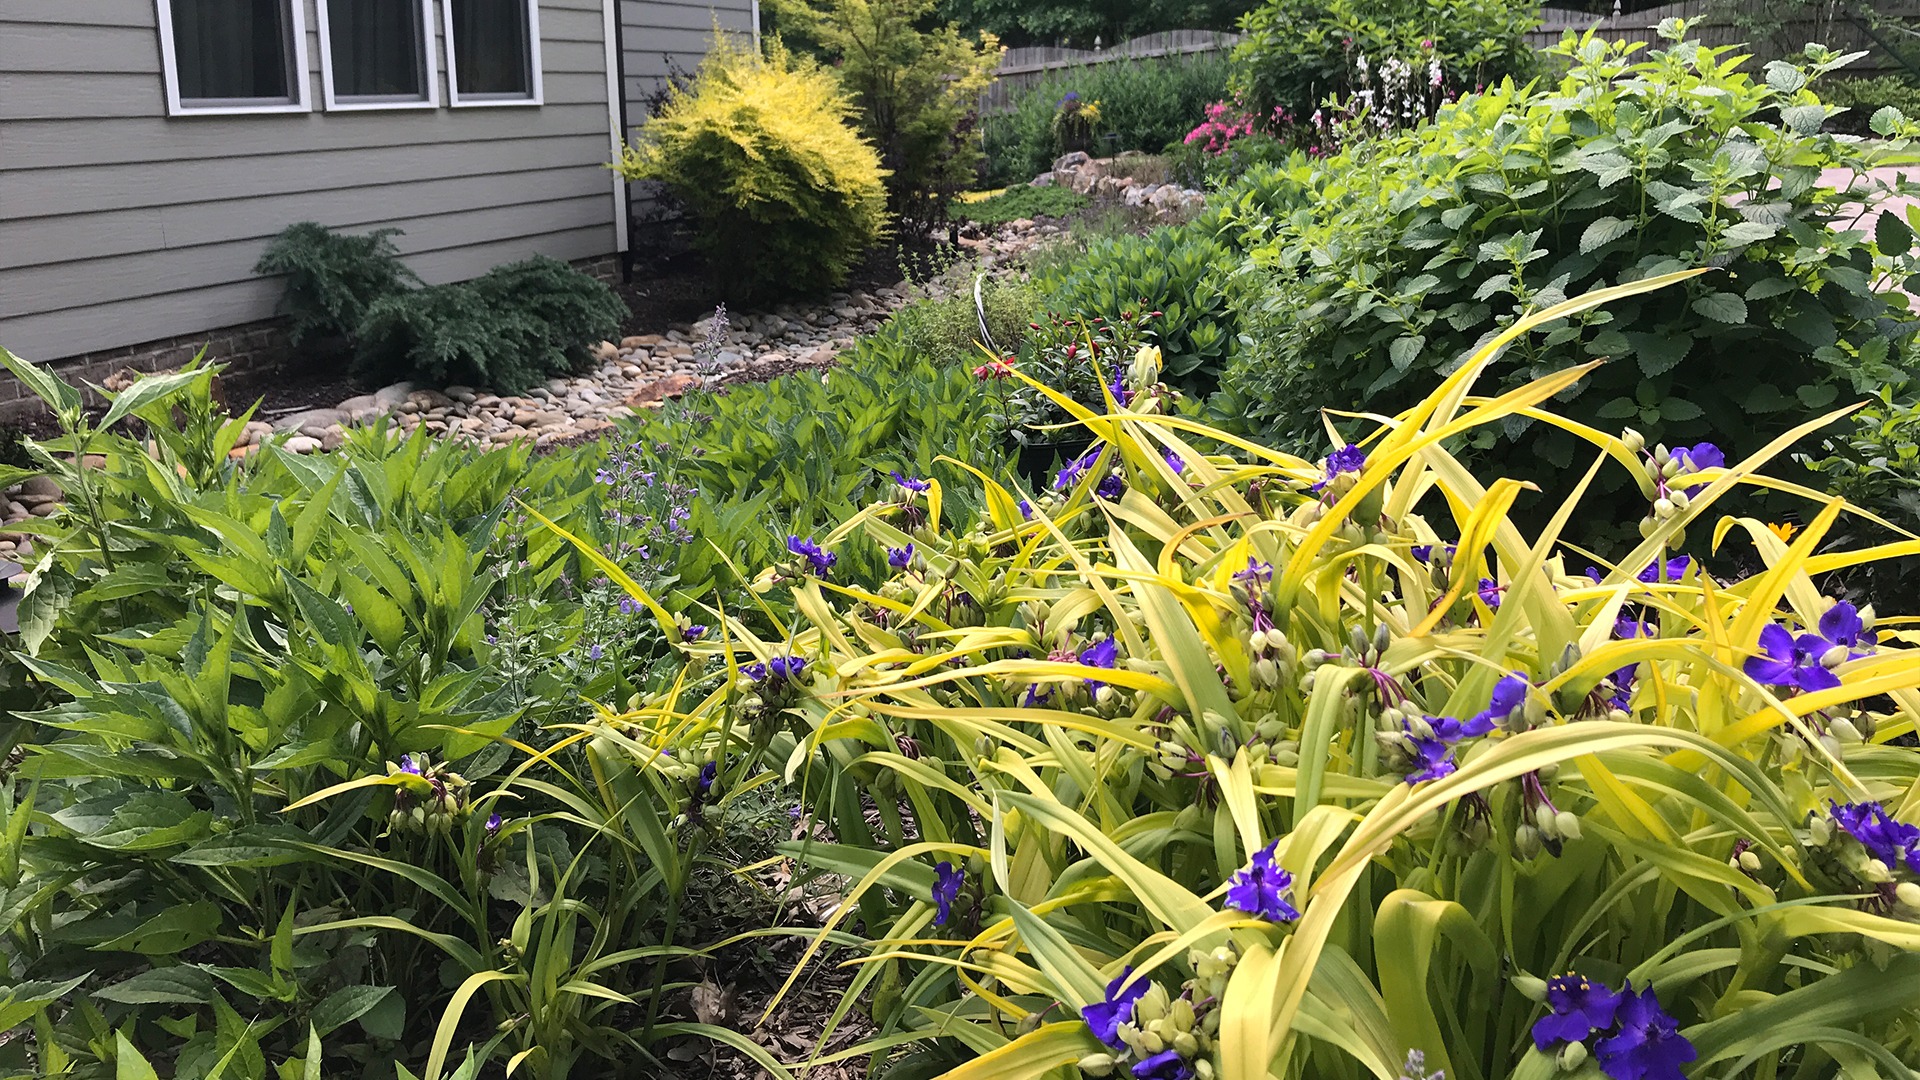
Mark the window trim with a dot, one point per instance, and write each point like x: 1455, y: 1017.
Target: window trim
x: 430, y: 66
x: 457, y: 101
x: 300, y: 77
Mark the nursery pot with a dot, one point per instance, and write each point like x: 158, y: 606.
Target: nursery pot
x: 1039, y: 461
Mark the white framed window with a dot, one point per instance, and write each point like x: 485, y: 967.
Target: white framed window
x: 493, y: 52
x: 378, y: 54
x: 227, y: 57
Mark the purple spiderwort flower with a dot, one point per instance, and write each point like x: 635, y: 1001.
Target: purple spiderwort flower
x: 1105, y: 1017
x: 1449, y: 730
x: 911, y: 483
x: 1700, y: 456
x: 1165, y: 1065
x: 1101, y: 654
x: 1121, y: 395
x: 1789, y: 661
x: 946, y: 888
x: 1256, y: 573
x: 778, y: 669
x: 1489, y: 592
x: 1580, y: 1008
x: 1509, y: 693
x: 1658, y: 572
x: 1648, y: 1044
x: 708, y: 774
x: 1072, y: 471
x: 901, y: 557
x: 1034, y: 697
x: 410, y: 765
x: 1175, y: 462
x: 1260, y: 888
x: 1892, y: 842
x: 1843, y: 625
x: 820, y: 560
x: 1346, y: 459
x: 1423, y: 553
x: 694, y: 632
x: 493, y: 825
x: 1432, y: 758
x: 1026, y: 509
x: 1111, y: 487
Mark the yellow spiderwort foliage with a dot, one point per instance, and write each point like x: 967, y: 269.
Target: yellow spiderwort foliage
x: 1220, y: 764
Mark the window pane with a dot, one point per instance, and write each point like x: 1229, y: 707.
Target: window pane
x: 376, y: 48
x: 232, y: 49
x: 490, y: 47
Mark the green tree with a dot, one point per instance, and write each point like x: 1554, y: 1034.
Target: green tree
x: 1079, y: 22
x: 915, y: 83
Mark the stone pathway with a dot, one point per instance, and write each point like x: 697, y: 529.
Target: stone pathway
x: 638, y: 372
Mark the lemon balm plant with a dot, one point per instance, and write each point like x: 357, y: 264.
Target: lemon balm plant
x: 1211, y: 761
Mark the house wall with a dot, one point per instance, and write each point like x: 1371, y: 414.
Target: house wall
x: 121, y: 226
x: 659, y: 38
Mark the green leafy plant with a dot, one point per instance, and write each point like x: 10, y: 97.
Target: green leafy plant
x: 1236, y: 764
x: 915, y: 85
x: 764, y: 152
x: 1874, y: 463
x: 1297, y: 53
x: 1144, y: 105
x: 1018, y: 202
x: 948, y: 330
x: 1392, y: 260
x: 1862, y: 97
x: 333, y: 279
x: 1183, y: 274
x: 511, y: 328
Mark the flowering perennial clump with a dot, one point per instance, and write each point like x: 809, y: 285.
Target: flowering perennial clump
x: 1246, y: 759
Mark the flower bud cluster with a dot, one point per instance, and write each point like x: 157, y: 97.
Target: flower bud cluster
x: 1165, y: 1036
x: 446, y: 804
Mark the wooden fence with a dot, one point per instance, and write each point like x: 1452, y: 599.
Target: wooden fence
x: 1710, y: 24
x: 1027, y: 67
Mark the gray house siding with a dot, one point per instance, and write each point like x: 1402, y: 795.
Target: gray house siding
x: 120, y: 225
x: 658, y: 39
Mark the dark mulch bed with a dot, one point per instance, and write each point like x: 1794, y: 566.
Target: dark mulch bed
x: 682, y: 288
x: 296, y: 386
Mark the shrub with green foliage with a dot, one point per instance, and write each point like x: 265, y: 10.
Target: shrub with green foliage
x: 947, y: 329
x: 1393, y: 260
x: 511, y: 328
x: 333, y: 279
x: 1298, y: 53
x: 1020, y: 201
x: 1184, y: 272
x: 1874, y: 463
x: 1864, y: 97
x: 915, y: 88
x: 1144, y: 105
x: 763, y: 151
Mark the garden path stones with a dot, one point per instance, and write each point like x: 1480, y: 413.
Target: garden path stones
x: 640, y: 371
